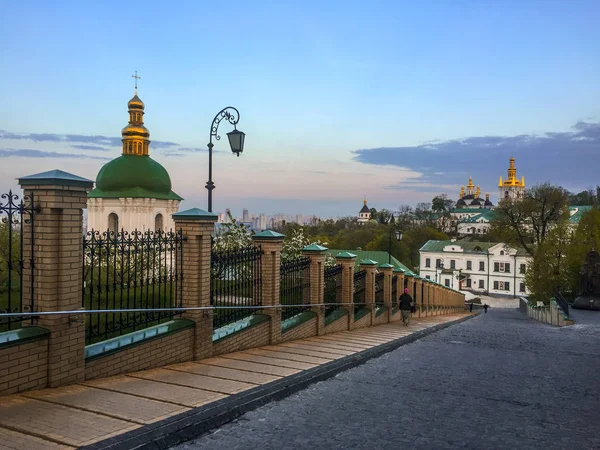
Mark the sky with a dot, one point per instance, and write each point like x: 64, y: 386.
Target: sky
x: 397, y: 101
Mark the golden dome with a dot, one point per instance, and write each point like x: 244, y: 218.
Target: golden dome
x: 135, y: 103
x: 135, y: 130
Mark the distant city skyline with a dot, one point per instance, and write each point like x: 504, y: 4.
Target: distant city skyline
x: 332, y: 111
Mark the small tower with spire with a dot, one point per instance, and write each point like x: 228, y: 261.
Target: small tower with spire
x: 365, y: 213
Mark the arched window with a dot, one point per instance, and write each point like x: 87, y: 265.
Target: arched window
x: 158, y: 222
x: 113, y: 223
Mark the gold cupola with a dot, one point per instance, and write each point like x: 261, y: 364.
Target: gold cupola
x: 136, y: 137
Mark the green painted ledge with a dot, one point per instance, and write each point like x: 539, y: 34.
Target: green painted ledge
x: 362, y: 312
x: 380, y: 310
x: 335, y: 315
x: 297, y: 320
x: 238, y: 326
x: 127, y: 341
x: 22, y: 336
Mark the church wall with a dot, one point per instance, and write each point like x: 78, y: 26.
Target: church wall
x: 133, y: 213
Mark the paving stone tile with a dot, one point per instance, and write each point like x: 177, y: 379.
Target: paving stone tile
x: 313, y: 349
x: 194, y: 381
x: 250, y: 366
x: 59, y: 423
x: 122, y: 406
x: 13, y: 440
x: 283, y: 353
x: 270, y: 361
x: 180, y: 395
x: 223, y: 372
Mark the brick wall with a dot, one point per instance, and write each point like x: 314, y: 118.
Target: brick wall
x: 171, y: 349
x: 307, y: 329
x: 339, y: 325
x: 363, y: 322
x: 256, y: 336
x: 24, y: 367
x: 382, y: 318
x: 396, y: 316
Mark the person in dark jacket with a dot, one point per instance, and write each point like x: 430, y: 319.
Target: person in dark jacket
x: 406, y: 303
x: 485, y: 307
x: 471, y: 307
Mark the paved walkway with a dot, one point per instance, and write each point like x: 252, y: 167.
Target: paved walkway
x: 90, y: 412
x: 498, y: 381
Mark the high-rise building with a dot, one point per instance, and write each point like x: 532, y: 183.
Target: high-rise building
x: 299, y: 219
x: 245, y: 216
x: 262, y: 222
x: 220, y: 217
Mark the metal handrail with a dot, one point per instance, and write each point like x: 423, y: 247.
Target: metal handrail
x: 560, y: 301
x: 182, y: 309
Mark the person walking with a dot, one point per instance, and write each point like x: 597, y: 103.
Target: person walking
x: 406, y: 303
x: 471, y: 307
x: 485, y: 307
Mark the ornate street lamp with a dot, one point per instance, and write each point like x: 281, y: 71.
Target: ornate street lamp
x: 439, y: 270
x: 236, y: 142
x: 398, y: 233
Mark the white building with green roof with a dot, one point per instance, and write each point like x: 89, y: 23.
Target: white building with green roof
x: 133, y: 192
x: 479, y: 267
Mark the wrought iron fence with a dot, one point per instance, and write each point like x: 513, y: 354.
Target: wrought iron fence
x: 17, y: 261
x: 127, y: 270
x: 379, y: 281
x: 294, y: 286
x: 235, y: 280
x: 395, y: 292
x: 360, y: 285
x: 333, y: 287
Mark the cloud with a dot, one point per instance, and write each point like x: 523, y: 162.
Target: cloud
x: 568, y: 158
x: 89, y: 147
x: 85, y: 142
x: 31, y: 153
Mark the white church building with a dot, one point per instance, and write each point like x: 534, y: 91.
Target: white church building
x: 133, y: 192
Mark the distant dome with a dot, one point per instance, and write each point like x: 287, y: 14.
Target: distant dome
x: 461, y: 202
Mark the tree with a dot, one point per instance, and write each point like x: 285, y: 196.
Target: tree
x: 527, y: 221
x: 384, y: 216
x: 441, y: 203
x: 373, y: 214
x: 586, y: 237
x: 583, y: 198
x: 293, y: 245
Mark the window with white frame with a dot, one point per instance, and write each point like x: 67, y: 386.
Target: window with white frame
x: 502, y: 267
x: 502, y: 285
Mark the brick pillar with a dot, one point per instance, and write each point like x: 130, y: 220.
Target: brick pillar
x: 197, y: 227
x: 399, y: 283
x: 58, y: 247
x: 388, y: 271
x: 317, y: 254
x: 419, y: 296
x: 271, y: 243
x: 347, y: 261
x: 370, y: 267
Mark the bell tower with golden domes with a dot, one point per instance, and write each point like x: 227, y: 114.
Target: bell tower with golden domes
x: 136, y: 137
x: 511, y: 187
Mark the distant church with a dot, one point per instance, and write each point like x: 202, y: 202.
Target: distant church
x: 364, y: 214
x: 512, y: 187
x: 471, y: 198
x: 133, y: 192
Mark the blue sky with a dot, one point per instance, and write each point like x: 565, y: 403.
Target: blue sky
x: 394, y: 100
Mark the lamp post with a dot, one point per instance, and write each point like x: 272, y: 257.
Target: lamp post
x: 236, y: 142
x: 398, y: 234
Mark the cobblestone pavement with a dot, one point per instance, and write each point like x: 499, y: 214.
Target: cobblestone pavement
x: 498, y: 381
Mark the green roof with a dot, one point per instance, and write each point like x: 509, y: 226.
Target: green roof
x: 269, y: 235
x: 486, y: 214
x: 56, y: 176
x: 133, y: 176
x: 194, y: 214
x: 379, y: 256
x: 468, y: 210
x: 581, y: 210
x: 467, y: 246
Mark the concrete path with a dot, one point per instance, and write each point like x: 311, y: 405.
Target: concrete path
x: 80, y: 415
x: 498, y: 381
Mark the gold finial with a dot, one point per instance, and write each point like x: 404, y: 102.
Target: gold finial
x: 136, y: 80
x: 365, y: 201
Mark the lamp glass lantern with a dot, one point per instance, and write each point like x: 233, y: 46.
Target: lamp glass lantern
x: 236, y: 141
x: 398, y: 235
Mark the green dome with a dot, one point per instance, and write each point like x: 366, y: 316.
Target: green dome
x: 133, y: 176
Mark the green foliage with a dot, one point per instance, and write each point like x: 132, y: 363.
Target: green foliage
x: 527, y: 221
x: 589, y: 197
x: 9, y: 254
